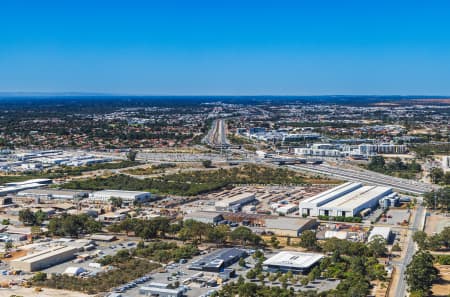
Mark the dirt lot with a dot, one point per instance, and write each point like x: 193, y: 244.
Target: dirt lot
x: 30, y: 292
x: 436, y: 222
x: 443, y: 286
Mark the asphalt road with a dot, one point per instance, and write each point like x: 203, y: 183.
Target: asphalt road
x: 366, y: 176
x: 217, y: 135
x: 410, y: 250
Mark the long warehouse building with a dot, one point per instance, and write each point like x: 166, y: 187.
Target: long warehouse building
x: 44, y: 259
x: 310, y: 206
x: 346, y: 200
x: 354, y: 202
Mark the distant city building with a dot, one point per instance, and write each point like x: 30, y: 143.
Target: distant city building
x: 384, y: 148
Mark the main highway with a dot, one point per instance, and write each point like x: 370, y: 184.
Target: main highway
x: 366, y: 176
x: 217, y: 135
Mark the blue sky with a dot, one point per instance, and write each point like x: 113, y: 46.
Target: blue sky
x: 225, y: 47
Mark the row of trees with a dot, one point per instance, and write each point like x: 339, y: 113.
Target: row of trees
x: 438, y: 176
x: 439, y: 199
x: 189, y: 230
x: 434, y: 242
x: 420, y: 273
x: 30, y: 218
x: 73, y: 225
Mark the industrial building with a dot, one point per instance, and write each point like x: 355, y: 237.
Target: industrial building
x: 53, y: 194
x: 234, y: 202
x: 446, y: 163
x: 218, y: 260
x: 42, y: 181
x: 297, y: 262
x: 354, y: 202
x: 289, y: 226
x: 310, y: 206
x: 384, y: 232
x: 15, y: 187
x: 126, y: 196
x: 44, y: 259
x: 346, y: 200
x: 204, y: 217
x: 161, y: 292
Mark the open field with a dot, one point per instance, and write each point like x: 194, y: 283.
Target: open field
x: 442, y: 287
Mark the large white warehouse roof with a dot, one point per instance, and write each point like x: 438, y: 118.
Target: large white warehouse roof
x: 294, y: 259
x: 330, y: 194
x: 359, y: 197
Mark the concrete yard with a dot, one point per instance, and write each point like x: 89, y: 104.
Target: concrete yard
x: 30, y: 292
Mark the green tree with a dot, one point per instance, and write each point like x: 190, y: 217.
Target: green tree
x: 436, y: 175
x: 421, y: 238
x: 116, y: 201
x: 274, y: 242
x: 27, y: 217
x: 8, y: 246
x: 308, y: 240
x: 377, y: 246
x: 131, y: 155
x: 420, y: 273
x: 242, y: 262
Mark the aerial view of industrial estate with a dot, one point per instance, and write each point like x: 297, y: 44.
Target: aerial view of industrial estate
x: 225, y: 196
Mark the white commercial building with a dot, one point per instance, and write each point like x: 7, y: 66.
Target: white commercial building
x: 296, y: 262
x: 384, y: 232
x: 446, y: 163
x: 126, y: 196
x: 318, y: 152
x: 352, y: 203
x: 310, y: 206
x: 383, y: 148
x: 234, y: 201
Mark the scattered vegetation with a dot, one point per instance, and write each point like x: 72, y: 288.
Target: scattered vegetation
x: 195, y: 182
x: 396, y: 167
x: 64, y: 171
x: 73, y: 225
x: 154, y: 169
x: 439, y: 199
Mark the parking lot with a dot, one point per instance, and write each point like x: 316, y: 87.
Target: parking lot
x: 177, y: 273
x: 395, y: 217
